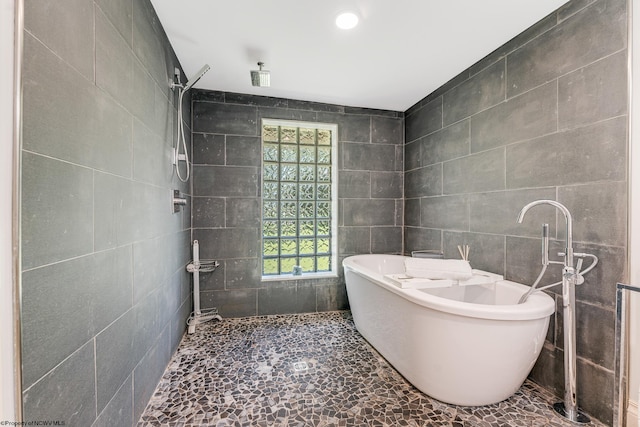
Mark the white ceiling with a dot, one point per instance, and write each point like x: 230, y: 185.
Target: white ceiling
x: 401, y: 51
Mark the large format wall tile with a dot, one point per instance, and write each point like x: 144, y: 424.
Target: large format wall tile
x: 368, y: 212
x: 523, y: 260
x: 570, y: 157
x: 225, y: 118
x: 523, y: 117
x: 114, y: 357
x: 351, y: 127
x: 497, y: 212
x: 479, y: 92
x: 478, y: 172
x: 288, y: 114
x: 149, y: 371
x: 243, y: 212
x: 595, y: 334
x: 354, y: 240
x: 377, y: 157
x: 114, y: 61
x: 286, y: 298
x: 387, y: 130
x: 67, y: 393
x: 114, y: 211
x: 386, y: 240
x: 232, y: 303
x: 96, y: 131
x: 447, y: 144
x: 425, y: 120
x: 600, y: 284
x: 386, y: 185
x: 57, y: 218
x: 354, y: 184
x: 120, y: 13
x: 145, y: 93
x: 149, y: 42
x: 412, y: 212
x: 208, y: 212
x: 119, y: 411
x: 446, y: 212
x: 151, y: 265
x: 599, y: 212
x: 51, y: 21
x: 240, y: 274
x: 331, y: 296
x: 486, y: 251
x: 568, y: 46
x: 219, y: 181
x: 63, y: 306
x: 595, y: 92
x: 425, y: 181
x: 209, y: 149
x: 152, y: 156
x: 225, y: 243
x: 418, y: 238
x: 243, y: 150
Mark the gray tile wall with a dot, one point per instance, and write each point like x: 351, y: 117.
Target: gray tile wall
x: 104, y: 291
x: 227, y: 205
x: 542, y: 117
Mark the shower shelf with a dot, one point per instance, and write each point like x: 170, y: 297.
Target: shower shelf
x: 196, y: 267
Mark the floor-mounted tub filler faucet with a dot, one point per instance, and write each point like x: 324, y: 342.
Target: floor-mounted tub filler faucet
x: 571, y: 276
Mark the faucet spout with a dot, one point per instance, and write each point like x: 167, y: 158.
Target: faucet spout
x: 568, y: 251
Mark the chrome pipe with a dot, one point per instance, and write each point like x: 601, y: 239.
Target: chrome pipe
x: 196, y: 279
x: 621, y: 368
x: 16, y: 207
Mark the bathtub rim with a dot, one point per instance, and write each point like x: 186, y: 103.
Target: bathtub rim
x: 538, y: 305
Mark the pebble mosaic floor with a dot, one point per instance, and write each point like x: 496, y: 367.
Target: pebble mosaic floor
x: 245, y: 372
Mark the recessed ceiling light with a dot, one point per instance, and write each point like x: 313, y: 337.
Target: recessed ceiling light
x: 347, y: 20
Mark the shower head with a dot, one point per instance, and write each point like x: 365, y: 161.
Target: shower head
x: 193, y: 80
x: 260, y: 78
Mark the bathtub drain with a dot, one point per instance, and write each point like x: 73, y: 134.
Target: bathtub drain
x: 300, y: 366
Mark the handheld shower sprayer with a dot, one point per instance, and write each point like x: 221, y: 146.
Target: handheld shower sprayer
x: 545, y: 244
x: 193, y: 80
x: 177, y: 156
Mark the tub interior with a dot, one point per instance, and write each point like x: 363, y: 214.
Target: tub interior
x: 490, y: 289
x: 499, y: 293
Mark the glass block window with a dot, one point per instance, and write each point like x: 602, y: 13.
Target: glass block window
x: 299, y: 198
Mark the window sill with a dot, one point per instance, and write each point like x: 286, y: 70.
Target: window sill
x: 304, y: 276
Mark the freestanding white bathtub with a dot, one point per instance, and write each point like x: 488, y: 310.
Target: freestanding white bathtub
x: 466, y: 345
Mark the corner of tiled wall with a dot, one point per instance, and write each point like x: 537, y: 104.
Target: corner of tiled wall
x: 542, y: 117
x: 105, y: 294
x: 226, y: 202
